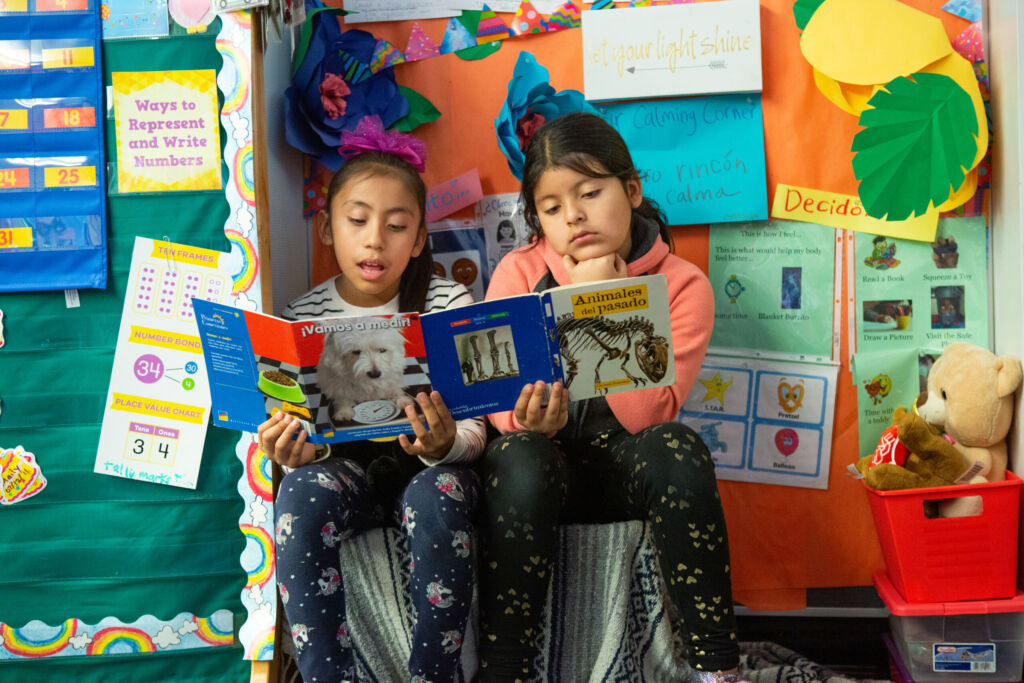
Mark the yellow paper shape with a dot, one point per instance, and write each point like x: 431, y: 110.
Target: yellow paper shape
x: 853, y: 99
x: 870, y: 42
x: 961, y: 194
x: 961, y: 71
x: 845, y: 211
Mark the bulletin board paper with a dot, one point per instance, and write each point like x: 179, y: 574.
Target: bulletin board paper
x: 157, y: 407
x: 166, y: 123
x: 700, y: 158
x: 667, y: 50
x: 767, y: 422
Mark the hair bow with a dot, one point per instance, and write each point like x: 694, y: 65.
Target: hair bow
x: 370, y: 136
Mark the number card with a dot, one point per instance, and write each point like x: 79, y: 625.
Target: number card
x: 158, y: 403
x: 52, y: 185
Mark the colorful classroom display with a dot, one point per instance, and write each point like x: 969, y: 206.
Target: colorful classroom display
x: 765, y: 420
x: 52, y: 190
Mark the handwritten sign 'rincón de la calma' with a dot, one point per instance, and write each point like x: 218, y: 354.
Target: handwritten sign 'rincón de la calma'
x: 666, y: 50
x: 168, y: 133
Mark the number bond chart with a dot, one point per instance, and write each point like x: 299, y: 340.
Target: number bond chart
x: 52, y: 189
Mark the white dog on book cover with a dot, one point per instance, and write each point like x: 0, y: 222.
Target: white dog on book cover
x: 362, y: 365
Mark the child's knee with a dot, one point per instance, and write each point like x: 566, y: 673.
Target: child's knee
x: 674, y: 455
x: 522, y: 464
x: 443, y: 490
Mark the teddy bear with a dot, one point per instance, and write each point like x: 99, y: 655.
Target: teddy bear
x: 970, y: 396
x: 911, y: 454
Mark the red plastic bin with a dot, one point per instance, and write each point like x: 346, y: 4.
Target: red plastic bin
x: 949, y: 559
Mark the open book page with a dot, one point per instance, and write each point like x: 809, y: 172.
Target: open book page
x: 613, y: 335
x: 484, y: 353
x: 345, y: 378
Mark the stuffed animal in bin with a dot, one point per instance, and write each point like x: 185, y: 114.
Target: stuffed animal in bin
x: 911, y: 454
x: 970, y: 397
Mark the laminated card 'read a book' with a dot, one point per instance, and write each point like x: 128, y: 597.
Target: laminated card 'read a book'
x: 350, y: 378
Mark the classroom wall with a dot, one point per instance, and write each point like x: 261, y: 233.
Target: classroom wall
x: 783, y: 540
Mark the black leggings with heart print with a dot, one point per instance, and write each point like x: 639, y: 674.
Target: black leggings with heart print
x: 663, y: 474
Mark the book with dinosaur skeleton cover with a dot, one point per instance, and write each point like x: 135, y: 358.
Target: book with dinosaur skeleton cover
x: 596, y: 337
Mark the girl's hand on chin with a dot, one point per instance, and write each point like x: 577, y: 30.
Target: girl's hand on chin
x: 607, y: 267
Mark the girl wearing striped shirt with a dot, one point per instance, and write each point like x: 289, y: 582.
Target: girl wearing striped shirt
x: 375, y: 225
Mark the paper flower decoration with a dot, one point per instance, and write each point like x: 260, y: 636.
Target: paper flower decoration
x: 531, y: 101
x: 313, y: 120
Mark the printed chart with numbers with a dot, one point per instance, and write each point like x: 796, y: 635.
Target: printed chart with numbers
x: 158, y: 403
x: 768, y: 422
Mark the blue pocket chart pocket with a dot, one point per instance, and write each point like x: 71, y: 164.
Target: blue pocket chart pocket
x: 52, y: 188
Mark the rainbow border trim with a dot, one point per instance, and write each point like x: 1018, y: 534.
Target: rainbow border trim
x: 109, y: 636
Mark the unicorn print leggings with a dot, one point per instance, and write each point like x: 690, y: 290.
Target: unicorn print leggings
x: 323, y: 504
x: 532, y: 483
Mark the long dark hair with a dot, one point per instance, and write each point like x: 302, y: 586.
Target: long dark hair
x: 587, y: 144
x: 412, y: 288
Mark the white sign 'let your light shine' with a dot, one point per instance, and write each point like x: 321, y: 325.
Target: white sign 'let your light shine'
x: 667, y: 50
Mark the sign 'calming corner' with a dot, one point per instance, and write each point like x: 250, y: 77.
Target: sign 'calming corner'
x: 667, y: 50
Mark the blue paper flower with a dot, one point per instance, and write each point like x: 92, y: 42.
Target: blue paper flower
x: 531, y: 101
x: 316, y: 130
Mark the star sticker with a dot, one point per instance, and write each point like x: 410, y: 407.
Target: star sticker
x: 716, y: 388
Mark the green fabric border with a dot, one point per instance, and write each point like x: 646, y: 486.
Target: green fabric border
x: 92, y: 546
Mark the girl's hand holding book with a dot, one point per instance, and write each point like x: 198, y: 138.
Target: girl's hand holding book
x: 277, y: 439
x: 435, y: 440
x: 533, y: 415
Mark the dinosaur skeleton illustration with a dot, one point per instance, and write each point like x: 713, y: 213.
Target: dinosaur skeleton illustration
x: 579, y: 335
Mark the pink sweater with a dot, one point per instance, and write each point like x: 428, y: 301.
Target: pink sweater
x: 692, y: 308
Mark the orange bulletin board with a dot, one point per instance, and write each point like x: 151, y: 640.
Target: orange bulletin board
x: 783, y: 539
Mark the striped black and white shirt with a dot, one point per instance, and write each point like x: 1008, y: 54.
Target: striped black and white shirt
x: 324, y: 301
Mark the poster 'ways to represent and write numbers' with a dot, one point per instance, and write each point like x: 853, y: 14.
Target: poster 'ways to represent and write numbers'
x: 158, y: 403
x: 52, y: 194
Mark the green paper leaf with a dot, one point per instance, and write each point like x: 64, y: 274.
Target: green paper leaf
x: 470, y: 18
x: 803, y: 10
x: 919, y: 141
x: 479, y: 51
x: 307, y: 33
x: 421, y: 111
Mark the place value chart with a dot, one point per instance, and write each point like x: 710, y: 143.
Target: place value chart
x: 52, y: 190
x: 158, y: 403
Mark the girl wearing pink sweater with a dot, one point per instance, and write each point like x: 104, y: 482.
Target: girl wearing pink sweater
x: 609, y: 458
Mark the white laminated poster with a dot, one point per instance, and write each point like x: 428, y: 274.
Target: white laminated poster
x: 767, y: 422
x: 705, y: 48
x: 158, y: 403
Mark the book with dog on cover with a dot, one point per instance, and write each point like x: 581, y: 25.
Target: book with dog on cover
x: 345, y: 378
x: 349, y: 378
